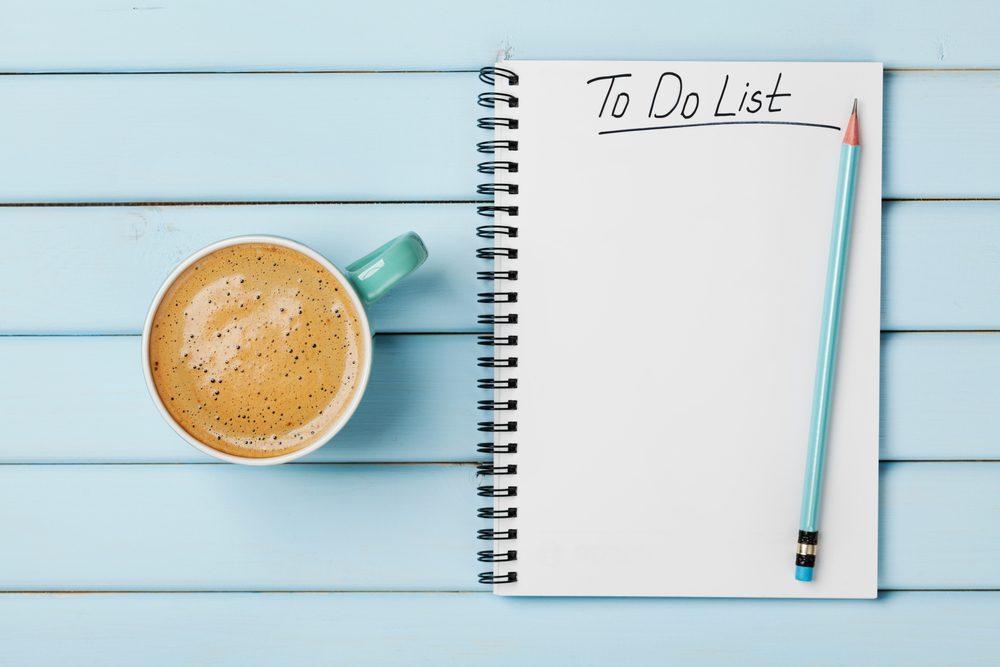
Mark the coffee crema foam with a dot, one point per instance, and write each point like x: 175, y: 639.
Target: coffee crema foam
x: 256, y: 350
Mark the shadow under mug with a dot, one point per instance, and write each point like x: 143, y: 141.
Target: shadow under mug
x: 366, y: 280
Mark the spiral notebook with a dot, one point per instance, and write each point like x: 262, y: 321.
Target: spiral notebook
x: 653, y: 268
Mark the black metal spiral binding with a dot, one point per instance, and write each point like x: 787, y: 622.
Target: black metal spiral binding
x: 497, y: 297
x: 493, y: 166
x: 493, y: 188
x: 497, y: 362
x: 497, y: 341
x: 492, y: 534
x: 488, y: 75
x: 491, y: 513
x: 493, y: 123
x: 489, y: 318
x: 498, y: 405
x: 492, y: 383
x: 491, y: 99
x: 490, y: 491
x: 497, y: 427
x: 497, y: 275
x: 501, y: 229
x: 492, y: 231
x: 492, y: 253
x: 494, y: 448
x: 493, y: 145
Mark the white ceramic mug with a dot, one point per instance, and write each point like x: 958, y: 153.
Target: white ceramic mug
x: 365, y: 280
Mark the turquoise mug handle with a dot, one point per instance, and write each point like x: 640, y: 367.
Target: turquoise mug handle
x: 375, y: 274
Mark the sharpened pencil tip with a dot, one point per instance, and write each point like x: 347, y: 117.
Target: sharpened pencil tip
x: 852, y: 136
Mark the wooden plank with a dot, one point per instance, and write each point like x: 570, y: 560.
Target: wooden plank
x: 238, y: 137
x: 222, y: 527
x: 380, y: 527
x: 102, y: 266
x: 948, y: 505
x: 941, y: 147
x: 420, y: 404
x: 295, y: 34
x: 940, y: 394
x: 915, y: 629
x: 939, y: 398
x: 940, y: 265
x: 310, y: 137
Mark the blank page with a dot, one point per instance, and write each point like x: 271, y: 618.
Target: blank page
x: 673, y: 229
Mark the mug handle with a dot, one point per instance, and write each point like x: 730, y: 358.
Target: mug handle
x: 377, y: 272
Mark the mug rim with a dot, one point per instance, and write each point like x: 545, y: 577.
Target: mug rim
x: 360, y: 386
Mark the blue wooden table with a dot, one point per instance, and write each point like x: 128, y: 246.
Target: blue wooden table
x: 133, y: 134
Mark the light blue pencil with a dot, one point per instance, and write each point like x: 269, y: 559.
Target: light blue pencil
x: 826, y: 361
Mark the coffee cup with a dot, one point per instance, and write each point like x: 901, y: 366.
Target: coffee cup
x: 257, y: 349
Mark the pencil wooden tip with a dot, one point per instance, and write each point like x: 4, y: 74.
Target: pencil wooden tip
x: 852, y: 136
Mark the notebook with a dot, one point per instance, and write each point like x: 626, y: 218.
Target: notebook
x: 653, y: 272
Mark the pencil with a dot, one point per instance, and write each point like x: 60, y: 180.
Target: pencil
x: 826, y: 361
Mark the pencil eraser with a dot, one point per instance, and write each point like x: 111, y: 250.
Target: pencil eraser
x: 803, y: 573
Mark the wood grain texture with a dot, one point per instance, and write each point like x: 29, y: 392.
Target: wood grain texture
x: 380, y: 527
x: 320, y: 137
x: 420, y: 404
x: 940, y: 394
x: 936, y: 143
x: 104, y: 265
x: 300, y: 630
x: 92, y: 35
x: 370, y: 137
x: 238, y: 137
x: 939, y: 269
x: 223, y: 527
x: 939, y: 398
x: 941, y: 265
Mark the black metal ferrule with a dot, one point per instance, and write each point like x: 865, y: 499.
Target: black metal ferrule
x: 808, y: 537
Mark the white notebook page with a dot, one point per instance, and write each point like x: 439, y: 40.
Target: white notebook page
x: 669, y: 291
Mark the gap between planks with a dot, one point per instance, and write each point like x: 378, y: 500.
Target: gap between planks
x: 169, y: 72
x: 174, y: 464
x: 351, y: 591
x: 364, y: 202
x: 937, y: 331
x: 133, y: 334
x: 393, y: 334
x: 291, y: 202
x: 461, y: 70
